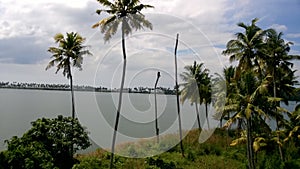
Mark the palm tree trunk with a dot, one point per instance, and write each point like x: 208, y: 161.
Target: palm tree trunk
x: 73, y: 106
x: 155, y: 104
x: 72, y: 96
x: 120, y: 99
x: 206, y: 115
x: 277, y: 127
x: 177, y: 97
x: 250, y: 154
x: 198, y: 117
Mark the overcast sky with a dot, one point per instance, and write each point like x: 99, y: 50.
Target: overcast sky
x: 27, y: 28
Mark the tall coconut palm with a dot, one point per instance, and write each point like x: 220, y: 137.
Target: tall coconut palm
x: 70, y: 52
x: 278, y: 65
x: 223, y: 88
x: 190, y: 89
x: 246, y: 103
x: 246, y: 50
x: 205, y: 88
x: 128, y: 14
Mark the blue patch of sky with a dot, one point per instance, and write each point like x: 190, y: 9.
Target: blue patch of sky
x: 270, y: 12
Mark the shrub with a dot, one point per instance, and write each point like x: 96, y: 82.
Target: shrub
x: 48, y: 144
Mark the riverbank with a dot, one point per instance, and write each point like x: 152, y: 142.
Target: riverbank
x: 214, y: 153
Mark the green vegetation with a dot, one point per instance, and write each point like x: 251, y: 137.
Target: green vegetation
x: 215, y: 153
x: 50, y: 143
x: 262, y: 78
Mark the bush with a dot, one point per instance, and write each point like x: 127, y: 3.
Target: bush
x: 88, y: 163
x: 161, y: 163
x: 48, y: 144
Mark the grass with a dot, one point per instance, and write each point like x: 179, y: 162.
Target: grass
x: 215, y: 153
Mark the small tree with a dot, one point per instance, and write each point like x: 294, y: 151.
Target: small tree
x: 47, y: 144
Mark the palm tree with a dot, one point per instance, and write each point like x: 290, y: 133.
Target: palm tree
x: 246, y: 103
x: 293, y: 126
x: 206, y: 92
x: 278, y: 65
x: 69, y: 53
x: 246, y: 50
x: 128, y: 14
x: 190, y: 87
x: 223, y: 89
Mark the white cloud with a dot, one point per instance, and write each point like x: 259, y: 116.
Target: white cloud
x: 279, y: 28
x: 27, y: 29
x: 293, y: 35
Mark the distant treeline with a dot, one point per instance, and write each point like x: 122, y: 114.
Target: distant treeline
x: 66, y: 87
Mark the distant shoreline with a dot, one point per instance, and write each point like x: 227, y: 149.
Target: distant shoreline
x: 81, y: 90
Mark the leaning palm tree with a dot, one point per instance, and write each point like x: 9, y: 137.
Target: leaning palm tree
x: 128, y: 14
x: 70, y: 52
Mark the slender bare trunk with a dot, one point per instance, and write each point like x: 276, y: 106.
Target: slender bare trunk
x: 155, y: 104
x: 120, y: 99
x: 177, y: 97
x: 73, y: 107
x: 206, y: 112
x: 198, y: 117
x: 72, y: 96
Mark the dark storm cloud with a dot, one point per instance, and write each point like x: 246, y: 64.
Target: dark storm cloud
x: 22, y: 50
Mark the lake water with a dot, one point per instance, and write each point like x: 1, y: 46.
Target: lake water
x: 97, y: 112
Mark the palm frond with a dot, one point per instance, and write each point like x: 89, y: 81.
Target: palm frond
x: 106, y: 3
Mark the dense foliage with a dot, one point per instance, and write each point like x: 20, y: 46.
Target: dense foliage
x: 260, y: 82
x: 48, y: 144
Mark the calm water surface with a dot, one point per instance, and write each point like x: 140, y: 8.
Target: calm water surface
x: 96, y: 111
